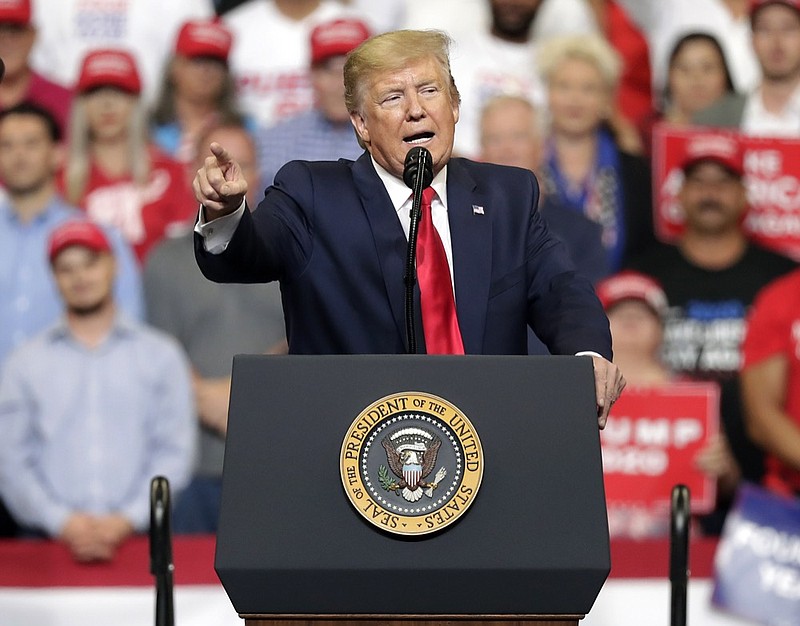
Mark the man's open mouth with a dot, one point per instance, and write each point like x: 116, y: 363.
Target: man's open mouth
x: 419, y: 137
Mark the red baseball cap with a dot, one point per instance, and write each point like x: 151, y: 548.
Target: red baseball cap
x: 15, y: 12
x: 721, y: 148
x: 630, y: 285
x: 77, y: 233
x: 755, y: 5
x: 109, y: 68
x: 204, y: 38
x: 337, y: 38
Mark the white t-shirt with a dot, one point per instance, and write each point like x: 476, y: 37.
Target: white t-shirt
x: 68, y: 29
x: 756, y: 120
x: 270, y: 58
x: 464, y: 18
x: 381, y: 15
x: 482, y: 68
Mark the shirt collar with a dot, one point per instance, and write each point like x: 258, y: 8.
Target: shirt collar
x: 792, y: 105
x: 399, y: 193
x: 53, y: 208
x: 122, y: 326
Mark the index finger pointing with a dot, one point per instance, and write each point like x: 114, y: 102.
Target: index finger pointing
x: 222, y: 155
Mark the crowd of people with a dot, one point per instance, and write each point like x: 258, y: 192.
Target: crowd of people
x: 115, y: 347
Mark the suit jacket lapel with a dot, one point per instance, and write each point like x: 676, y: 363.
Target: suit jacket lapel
x: 471, y: 232
x: 390, y: 240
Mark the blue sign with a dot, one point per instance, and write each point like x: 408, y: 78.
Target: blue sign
x: 757, y: 564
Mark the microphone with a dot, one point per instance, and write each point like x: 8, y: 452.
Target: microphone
x: 417, y: 174
x: 418, y: 160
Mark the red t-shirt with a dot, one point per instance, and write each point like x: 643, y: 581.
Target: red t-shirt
x: 163, y: 207
x: 634, y: 97
x: 773, y: 328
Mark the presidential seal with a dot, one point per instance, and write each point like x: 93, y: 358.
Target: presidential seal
x: 411, y: 463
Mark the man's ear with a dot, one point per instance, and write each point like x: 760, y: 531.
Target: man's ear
x: 360, y: 124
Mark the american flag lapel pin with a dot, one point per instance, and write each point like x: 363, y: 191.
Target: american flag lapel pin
x: 477, y: 210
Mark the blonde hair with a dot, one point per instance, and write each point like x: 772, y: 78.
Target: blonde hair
x: 76, y: 172
x: 390, y: 52
x: 593, y: 49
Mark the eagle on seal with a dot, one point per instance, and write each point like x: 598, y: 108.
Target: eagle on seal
x: 411, y: 454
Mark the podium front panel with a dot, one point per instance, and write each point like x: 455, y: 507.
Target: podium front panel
x: 535, y: 540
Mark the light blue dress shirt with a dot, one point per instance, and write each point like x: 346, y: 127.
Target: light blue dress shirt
x: 87, y: 429
x: 307, y: 136
x: 30, y: 301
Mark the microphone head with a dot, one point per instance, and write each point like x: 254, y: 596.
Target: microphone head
x: 418, y: 162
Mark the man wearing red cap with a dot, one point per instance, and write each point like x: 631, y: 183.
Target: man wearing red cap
x: 711, y: 277
x: 21, y: 83
x: 93, y: 408
x: 772, y: 108
x: 324, y: 133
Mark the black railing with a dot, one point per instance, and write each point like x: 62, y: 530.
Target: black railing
x: 161, y: 565
x: 679, y: 554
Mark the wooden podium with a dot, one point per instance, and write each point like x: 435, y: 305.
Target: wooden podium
x: 531, y: 549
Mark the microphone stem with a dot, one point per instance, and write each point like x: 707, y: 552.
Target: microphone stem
x: 411, y: 270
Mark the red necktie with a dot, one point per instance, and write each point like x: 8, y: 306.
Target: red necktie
x: 439, y: 320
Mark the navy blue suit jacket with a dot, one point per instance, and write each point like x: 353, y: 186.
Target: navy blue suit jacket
x: 329, y: 233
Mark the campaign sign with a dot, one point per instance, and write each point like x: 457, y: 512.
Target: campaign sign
x: 772, y: 178
x: 757, y: 564
x: 649, y: 445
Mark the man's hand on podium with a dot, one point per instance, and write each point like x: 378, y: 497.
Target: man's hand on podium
x: 609, y: 383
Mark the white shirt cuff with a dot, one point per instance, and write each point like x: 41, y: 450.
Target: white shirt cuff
x: 589, y: 353
x: 217, y: 234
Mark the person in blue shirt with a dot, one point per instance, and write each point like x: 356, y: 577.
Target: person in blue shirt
x: 31, y: 208
x: 91, y: 409
x: 323, y: 133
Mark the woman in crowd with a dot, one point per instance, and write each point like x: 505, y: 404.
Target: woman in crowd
x: 197, y: 91
x: 697, y: 77
x: 113, y: 172
x: 585, y: 167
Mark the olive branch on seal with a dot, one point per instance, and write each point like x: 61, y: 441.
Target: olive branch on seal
x: 387, y: 482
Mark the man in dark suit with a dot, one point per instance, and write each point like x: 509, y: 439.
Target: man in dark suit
x: 334, y: 234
